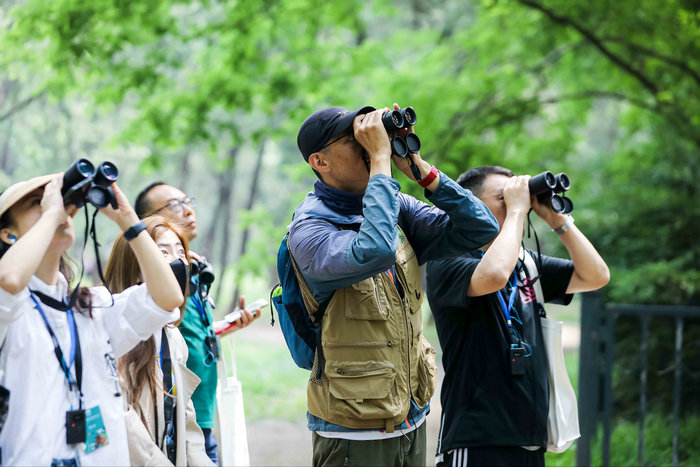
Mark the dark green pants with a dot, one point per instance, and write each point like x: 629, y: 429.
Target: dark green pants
x: 406, y: 450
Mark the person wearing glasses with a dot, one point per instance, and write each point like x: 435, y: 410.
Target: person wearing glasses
x: 197, y: 326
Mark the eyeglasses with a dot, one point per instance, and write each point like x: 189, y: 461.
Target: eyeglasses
x: 176, y: 205
x: 350, y: 133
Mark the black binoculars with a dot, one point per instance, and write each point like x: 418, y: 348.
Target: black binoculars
x: 203, y: 269
x: 83, y: 183
x: 395, y: 120
x: 551, y: 189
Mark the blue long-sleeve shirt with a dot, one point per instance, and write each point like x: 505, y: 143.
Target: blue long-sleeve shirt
x: 330, y: 258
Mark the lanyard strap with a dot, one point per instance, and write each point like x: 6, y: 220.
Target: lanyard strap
x: 202, y: 311
x: 168, y: 405
x: 511, y: 298
x: 75, y: 353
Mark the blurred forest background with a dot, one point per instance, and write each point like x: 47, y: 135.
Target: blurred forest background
x: 208, y: 95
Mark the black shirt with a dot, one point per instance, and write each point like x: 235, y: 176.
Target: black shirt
x: 482, y: 403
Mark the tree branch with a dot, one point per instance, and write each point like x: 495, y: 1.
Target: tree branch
x: 20, y: 106
x: 597, y: 43
x: 653, y: 53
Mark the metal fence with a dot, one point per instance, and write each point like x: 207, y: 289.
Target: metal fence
x: 595, y: 388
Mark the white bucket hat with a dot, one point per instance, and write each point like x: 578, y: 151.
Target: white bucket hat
x: 21, y: 189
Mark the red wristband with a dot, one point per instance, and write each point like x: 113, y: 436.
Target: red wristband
x: 429, y: 178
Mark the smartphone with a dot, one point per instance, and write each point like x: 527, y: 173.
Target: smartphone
x: 229, y: 320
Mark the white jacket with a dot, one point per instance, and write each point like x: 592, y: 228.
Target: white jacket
x: 35, y: 432
x: 143, y: 450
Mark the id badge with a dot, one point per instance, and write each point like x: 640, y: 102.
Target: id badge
x: 75, y: 426
x: 212, y: 345
x: 96, y: 432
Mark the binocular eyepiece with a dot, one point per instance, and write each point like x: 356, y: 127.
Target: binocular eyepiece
x: 550, y: 188
x: 395, y: 120
x: 83, y: 183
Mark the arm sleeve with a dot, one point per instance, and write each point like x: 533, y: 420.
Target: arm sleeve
x: 194, y: 438
x: 142, y: 449
x: 448, y: 281
x: 458, y: 222
x: 330, y: 258
x: 11, y: 306
x: 134, y: 317
x: 556, y: 275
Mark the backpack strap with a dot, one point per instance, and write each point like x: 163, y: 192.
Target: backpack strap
x: 315, y: 310
x: 310, y: 302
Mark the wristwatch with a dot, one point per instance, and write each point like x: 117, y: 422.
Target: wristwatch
x: 134, y: 230
x: 566, y: 227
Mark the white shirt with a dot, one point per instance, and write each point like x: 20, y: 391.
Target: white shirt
x: 35, y: 430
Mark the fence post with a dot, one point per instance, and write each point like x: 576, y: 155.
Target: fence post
x: 588, y: 376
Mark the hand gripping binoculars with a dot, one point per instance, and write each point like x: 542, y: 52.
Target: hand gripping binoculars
x: 82, y: 183
x: 397, y: 120
x: 551, y: 189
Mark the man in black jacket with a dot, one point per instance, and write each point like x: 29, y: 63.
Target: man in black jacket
x: 495, y: 395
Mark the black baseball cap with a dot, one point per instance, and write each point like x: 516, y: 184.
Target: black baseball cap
x: 322, y: 125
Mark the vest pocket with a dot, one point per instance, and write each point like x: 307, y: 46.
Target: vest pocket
x: 362, y: 389
x: 427, y: 373
x: 366, y: 303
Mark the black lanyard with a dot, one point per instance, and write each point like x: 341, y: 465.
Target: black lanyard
x: 169, y: 438
x: 73, y: 384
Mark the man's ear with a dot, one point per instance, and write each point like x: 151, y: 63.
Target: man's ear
x: 8, y: 235
x: 319, y: 163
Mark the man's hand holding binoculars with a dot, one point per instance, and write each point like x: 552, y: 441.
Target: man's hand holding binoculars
x: 370, y: 133
x: 547, y: 214
x: 388, y: 135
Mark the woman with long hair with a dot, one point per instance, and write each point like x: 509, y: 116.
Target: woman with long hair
x: 58, y: 354
x: 161, y: 422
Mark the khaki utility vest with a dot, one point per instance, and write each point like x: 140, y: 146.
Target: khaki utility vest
x: 376, y: 357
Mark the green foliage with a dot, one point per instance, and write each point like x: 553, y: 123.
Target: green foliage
x: 607, y: 92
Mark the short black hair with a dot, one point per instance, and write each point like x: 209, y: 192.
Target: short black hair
x: 141, y: 205
x: 473, y: 179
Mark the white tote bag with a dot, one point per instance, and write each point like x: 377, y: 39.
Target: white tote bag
x: 230, y: 416
x: 562, y: 420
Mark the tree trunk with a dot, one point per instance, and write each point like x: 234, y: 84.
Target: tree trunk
x: 184, y: 170
x: 252, y: 195
x: 224, y: 193
x: 224, y: 215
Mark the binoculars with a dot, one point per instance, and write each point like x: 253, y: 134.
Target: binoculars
x: 551, y: 189
x: 83, y: 183
x: 203, y: 269
x: 395, y: 120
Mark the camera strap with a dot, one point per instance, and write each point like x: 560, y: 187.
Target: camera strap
x: 89, y: 230
x: 75, y: 353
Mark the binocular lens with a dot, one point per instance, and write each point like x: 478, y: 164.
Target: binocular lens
x: 563, y: 183
x: 109, y: 170
x: 542, y: 183
x: 98, y: 196
x: 409, y: 116
x: 399, y: 147
x: 557, y: 203
x: 568, y: 205
x: 84, y: 167
x: 412, y: 143
x: 393, y: 120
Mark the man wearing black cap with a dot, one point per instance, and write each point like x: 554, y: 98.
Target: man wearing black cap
x: 358, y: 243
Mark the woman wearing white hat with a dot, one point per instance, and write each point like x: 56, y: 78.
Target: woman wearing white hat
x: 57, y: 358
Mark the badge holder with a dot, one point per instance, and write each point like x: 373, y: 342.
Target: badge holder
x: 517, y: 360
